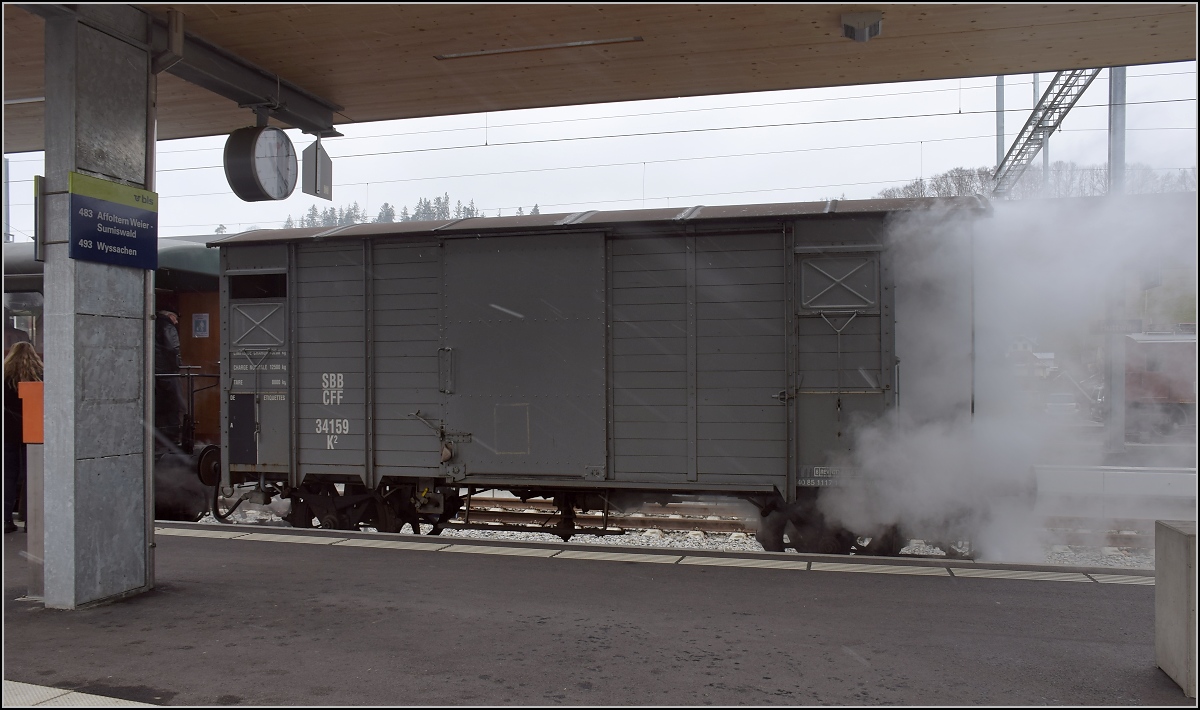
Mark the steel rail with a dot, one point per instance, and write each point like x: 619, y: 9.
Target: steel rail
x: 542, y: 516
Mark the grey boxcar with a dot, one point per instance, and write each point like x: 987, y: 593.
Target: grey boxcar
x: 372, y: 373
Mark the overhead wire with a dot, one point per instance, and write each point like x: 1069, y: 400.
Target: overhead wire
x: 683, y: 111
x: 685, y: 131
x: 496, y: 173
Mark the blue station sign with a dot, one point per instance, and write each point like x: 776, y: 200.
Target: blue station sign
x: 113, y: 223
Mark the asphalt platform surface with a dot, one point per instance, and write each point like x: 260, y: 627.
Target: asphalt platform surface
x: 274, y: 616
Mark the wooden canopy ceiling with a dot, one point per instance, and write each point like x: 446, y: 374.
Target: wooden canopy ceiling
x: 391, y: 61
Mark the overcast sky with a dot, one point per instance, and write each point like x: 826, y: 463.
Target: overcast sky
x: 782, y: 146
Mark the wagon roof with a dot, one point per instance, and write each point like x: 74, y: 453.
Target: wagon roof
x: 1163, y: 337
x: 663, y: 215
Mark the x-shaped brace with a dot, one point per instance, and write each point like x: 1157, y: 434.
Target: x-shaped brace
x: 835, y: 281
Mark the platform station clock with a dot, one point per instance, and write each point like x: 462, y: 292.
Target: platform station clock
x: 260, y: 164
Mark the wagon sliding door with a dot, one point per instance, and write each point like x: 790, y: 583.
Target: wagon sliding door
x: 523, y: 359
x: 255, y: 364
x: 844, y: 351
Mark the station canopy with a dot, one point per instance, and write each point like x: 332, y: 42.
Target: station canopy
x: 392, y: 61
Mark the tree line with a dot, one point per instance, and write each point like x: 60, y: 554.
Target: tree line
x: 425, y: 210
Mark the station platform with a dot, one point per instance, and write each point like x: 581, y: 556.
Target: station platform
x: 247, y: 615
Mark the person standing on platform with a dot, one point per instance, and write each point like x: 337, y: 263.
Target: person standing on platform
x: 22, y: 364
x: 168, y: 390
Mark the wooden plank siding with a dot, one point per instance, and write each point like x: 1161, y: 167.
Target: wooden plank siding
x: 741, y: 362
x: 407, y: 282
x: 727, y: 345
x: 330, y: 305
x: 649, y: 354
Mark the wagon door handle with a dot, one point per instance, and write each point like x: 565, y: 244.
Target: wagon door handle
x: 446, y: 370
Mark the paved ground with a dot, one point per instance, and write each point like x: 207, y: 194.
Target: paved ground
x: 264, y: 620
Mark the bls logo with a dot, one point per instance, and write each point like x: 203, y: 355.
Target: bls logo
x: 145, y: 199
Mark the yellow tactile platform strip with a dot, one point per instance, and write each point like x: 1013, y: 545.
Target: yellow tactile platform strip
x: 879, y: 569
x: 1122, y: 579
x: 303, y: 539
x: 394, y: 544
x: 1019, y: 574
x: 616, y: 557
x: 187, y: 532
x: 743, y: 562
x: 515, y: 551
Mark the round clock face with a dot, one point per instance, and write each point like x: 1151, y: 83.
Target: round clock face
x: 260, y: 164
x: 275, y: 163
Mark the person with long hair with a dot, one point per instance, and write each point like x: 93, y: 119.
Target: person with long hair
x: 22, y: 364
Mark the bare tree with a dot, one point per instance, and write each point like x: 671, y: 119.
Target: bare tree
x: 1066, y: 179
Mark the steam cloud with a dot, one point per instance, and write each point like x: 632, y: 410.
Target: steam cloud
x: 953, y: 461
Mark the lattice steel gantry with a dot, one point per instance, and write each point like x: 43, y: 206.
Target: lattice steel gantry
x: 1061, y: 95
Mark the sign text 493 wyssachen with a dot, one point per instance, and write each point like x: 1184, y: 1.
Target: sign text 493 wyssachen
x: 113, y: 223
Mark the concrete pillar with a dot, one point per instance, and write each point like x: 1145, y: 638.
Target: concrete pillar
x: 35, y: 456
x: 98, y: 468
x: 1175, y: 601
x: 1116, y: 130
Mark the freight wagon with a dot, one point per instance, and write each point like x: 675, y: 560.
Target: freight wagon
x: 377, y: 374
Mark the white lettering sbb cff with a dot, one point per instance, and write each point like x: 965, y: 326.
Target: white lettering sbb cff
x: 331, y: 387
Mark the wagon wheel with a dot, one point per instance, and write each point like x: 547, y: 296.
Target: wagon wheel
x: 301, y: 514
x: 332, y: 521
x: 1169, y: 421
x: 888, y: 543
x: 770, y: 531
x: 835, y: 541
x: 386, y: 519
x: 403, y: 510
x: 803, y: 537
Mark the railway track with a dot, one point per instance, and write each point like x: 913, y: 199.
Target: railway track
x: 504, y: 513
x: 495, y: 513
x: 510, y: 514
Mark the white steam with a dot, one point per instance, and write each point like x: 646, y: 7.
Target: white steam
x: 953, y: 461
